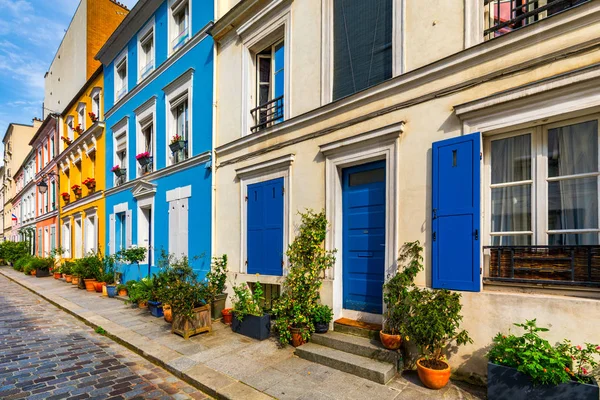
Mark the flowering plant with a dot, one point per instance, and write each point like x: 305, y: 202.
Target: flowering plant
x: 176, y: 138
x: 78, y: 129
x: 583, y: 362
x: 89, y: 182
x: 65, y: 195
x: 93, y: 116
x: 145, y: 154
x: 75, y: 188
x: 115, y: 168
x: 66, y: 139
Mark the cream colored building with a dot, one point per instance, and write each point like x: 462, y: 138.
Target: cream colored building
x: 530, y: 94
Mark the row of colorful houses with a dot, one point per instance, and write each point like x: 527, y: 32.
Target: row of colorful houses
x: 205, y: 126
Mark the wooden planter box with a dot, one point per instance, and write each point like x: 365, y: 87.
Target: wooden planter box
x: 217, y: 306
x: 201, y: 322
x: 252, y: 326
x: 505, y: 383
x: 42, y: 273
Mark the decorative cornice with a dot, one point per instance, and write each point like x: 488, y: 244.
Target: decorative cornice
x: 83, y: 201
x: 94, y: 131
x: 143, y: 189
x: 145, y: 105
x: 180, y: 80
x: 393, y: 130
x: 46, y: 216
x: 275, y: 163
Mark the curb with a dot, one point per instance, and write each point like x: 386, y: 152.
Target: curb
x: 234, y: 390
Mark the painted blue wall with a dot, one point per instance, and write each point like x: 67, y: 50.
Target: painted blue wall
x: 200, y: 58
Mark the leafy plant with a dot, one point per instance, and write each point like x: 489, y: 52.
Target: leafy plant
x: 542, y: 362
x: 133, y: 255
x: 308, y: 261
x: 322, y: 314
x: 217, y: 277
x: 67, y: 267
x: 22, y: 262
x: 12, y: 251
x: 139, y: 290
x: 89, y: 267
x: 108, y: 269
x: 100, y: 330
x: 41, y: 263
x: 398, y: 290
x: 247, y: 302
x: 434, y: 323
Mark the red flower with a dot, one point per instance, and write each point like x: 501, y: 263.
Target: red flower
x: 115, y: 168
x: 145, y: 154
x: 585, y: 371
x: 578, y: 347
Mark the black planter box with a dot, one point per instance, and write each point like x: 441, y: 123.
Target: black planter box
x: 505, y: 383
x: 42, y: 273
x: 252, y: 326
x: 156, y: 308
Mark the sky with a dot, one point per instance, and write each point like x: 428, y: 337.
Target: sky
x: 30, y: 33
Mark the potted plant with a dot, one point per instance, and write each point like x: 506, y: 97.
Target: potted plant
x: 118, y: 171
x: 321, y: 318
x: 67, y: 270
x: 122, y: 290
x: 216, y: 278
x: 93, y: 117
x: 227, y: 314
x: 248, y: 317
x: 154, y: 303
x: 42, y: 266
x: 90, y: 183
x: 76, y: 190
x: 89, y: 268
x: 397, y: 296
x: 177, y: 143
x: 133, y: 255
x: 434, y: 325
x: 66, y: 140
x: 529, y: 367
x: 143, y: 158
x: 308, y: 261
x: 78, y: 129
x: 66, y: 197
x: 139, y: 292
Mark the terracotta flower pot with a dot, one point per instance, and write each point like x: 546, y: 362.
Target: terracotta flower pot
x: 57, y: 275
x: 75, y: 280
x: 89, y: 285
x: 297, y: 339
x: 122, y: 292
x: 167, y: 313
x: 142, y: 304
x: 33, y: 272
x: 433, y: 378
x: 68, y: 278
x: 227, y: 313
x: 391, y: 342
x: 98, y: 286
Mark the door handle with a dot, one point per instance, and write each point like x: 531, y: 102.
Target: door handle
x: 476, y: 233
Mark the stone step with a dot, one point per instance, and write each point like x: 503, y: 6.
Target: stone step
x: 370, y: 348
x: 364, y: 367
x: 357, y: 328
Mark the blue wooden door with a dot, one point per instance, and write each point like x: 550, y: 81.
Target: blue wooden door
x: 456, y: 216
x: 265, y: 228
x: 363, y: 236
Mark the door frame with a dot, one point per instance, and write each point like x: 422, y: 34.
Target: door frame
x: 376, y: 145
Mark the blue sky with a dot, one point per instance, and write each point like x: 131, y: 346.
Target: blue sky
x: 30, y: 33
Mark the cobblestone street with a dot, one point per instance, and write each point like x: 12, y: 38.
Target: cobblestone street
x: 47, y: 354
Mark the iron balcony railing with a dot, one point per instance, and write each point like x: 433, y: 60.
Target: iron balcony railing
x: 121, y: 92
x: 267, y: 114
x: 567, y: 265
x: 147, y: 69
x: 504, y: 16
x: 180, y: 40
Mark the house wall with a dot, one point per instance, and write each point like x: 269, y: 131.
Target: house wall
x: 424, y: 100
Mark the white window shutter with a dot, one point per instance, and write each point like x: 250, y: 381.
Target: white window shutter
x: 113, y: 230
x: 174, y: 228
x: 183, y: 226
x: 128, y: 226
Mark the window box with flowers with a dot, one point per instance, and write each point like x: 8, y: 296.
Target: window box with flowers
x: 78, y: 129
x: 90, y: 183
x: 118, y: 171
x: 93, y: 117
x: 66, y: 140
x: 529, y: 367
x: 76, y: 189
x: 66, y: 197
x: 177, y: 143
x: 144, y: 158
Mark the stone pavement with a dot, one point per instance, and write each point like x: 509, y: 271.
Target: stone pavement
x: 46, y: 353
x: 224, y: 364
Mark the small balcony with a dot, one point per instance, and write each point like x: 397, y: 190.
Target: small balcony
x: 566, y: 265
x: 180, y: 39
x: 267, y: 114
x: 145, y: 71
x: 121, y: 92
x: 504, y: 16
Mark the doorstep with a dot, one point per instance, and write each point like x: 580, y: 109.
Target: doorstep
x: 222, y: 363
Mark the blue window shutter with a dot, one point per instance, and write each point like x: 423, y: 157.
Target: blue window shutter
x: 456, y: 214
x: 265, y: 228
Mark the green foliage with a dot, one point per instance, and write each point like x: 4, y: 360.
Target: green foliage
x: 434, y: 322
x: 12, y: 251
x: 322, y: 314
x: 41, y: 263
x: 308, y: 261
x: 89, y: 267
x: 399, y: 288
x: 100, y: 330
x: 108, y: 269
x: 247, y: 302
x: 537, y: 358
x: 67, y: 267
x: 217, y: 277
x: 140, y: 290
x: 133, y: 255
x: 22, y: 262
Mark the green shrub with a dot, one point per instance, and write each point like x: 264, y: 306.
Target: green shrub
x: 89, y: 267
x: 20, y: 264
x: 217, y: 277
x: 41, y: 263
x: 247, y: 302
x: 322, y: 314
x: 12, y: 251
x: 67, y: 267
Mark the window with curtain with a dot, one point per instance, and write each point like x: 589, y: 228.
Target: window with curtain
x: 362, y: 44
x: 553, y: 204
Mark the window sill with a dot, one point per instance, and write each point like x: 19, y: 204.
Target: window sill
x: 545, y: 288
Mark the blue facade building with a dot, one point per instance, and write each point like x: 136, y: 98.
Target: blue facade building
x: 159, y: 124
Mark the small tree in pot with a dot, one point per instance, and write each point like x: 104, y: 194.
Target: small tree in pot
x: 308, y: 261
x: 216, y: 279
x: 249, y: 318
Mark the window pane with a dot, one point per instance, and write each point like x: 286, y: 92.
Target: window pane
x: 511, y: 209
x: 511, y: 159
x: 573, y: 239
x: 514, y: 240
x: 366, y: 177
x: 573, y: 149
x: 573, y: 204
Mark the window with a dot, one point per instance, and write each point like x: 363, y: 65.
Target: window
x: 70, y: 128
x: 46, y: 242
x: 81, y: 117
x: 146, y: 139
x: 120, y: 157
x: 52, y: 238
x: 547, y: 196
x: 362, y: 44
x: 46, y: 156
x: 53, y: 195
x: 180, y: 113
x: 121, y: 231
x: 95, y: 95
x: 270, y: 83
x: 179, y: 119
x: 121, y: 77
x: 40, y: 243
x: 146, y: 51
x: 180, y: 24
x: 77, y: 231
x: 90, y: 241
x: 66, y: 239
x: 52, y: 147
x: 40, y: 160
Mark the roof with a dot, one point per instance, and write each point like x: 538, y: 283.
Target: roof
x: 131, y: 24
x: 38, y: 133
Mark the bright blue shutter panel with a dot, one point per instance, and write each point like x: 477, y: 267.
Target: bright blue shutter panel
x: 265, y: 228
x: 456, y: 213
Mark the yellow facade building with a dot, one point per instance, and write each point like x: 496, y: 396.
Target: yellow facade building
x: 82, y: 172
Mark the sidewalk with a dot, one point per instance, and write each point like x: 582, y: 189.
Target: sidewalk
x: 224, y: 364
